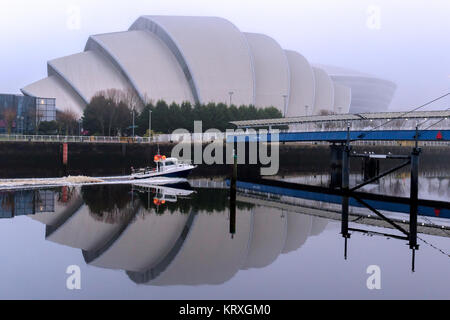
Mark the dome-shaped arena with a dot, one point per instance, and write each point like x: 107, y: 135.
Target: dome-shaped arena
x: 368, y: 93
x: 202, y: 60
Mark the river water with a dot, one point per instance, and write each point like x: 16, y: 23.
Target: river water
x: 176, y: 242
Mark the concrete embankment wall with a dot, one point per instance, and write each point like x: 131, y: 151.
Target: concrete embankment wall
x: 33, y: 159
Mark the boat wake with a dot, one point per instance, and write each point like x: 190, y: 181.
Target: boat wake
x: 11, y: 184
x: 33, y: 182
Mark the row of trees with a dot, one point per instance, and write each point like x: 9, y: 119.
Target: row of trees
x: 167, y: 118
x: 111, y: 113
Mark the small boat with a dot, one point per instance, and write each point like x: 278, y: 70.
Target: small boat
x: 165, y: 168
x: 164, y: 194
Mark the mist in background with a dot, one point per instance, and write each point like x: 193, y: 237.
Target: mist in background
x: 406, y: 42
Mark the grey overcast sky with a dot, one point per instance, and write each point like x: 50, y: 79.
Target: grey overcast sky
x: 406, y: 41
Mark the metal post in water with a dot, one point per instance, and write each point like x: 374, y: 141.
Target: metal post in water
x: 149, y: 125
x: 133, y: 124
x: 345, y: 162
x: 233, y: 190
x: 414, y: 193
x: 345, y: 189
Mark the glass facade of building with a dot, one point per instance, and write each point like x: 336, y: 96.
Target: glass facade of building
x: 46, y: 109
x: 21, y: 114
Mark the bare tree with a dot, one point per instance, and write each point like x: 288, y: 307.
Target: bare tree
x: 9, y: 114
x: 67, y: 119
x: 132, y: 100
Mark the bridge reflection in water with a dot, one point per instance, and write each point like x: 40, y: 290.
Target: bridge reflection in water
x: 181, y: 236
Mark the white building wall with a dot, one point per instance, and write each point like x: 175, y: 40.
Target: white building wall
x: 272, y: 80
x: 206, y: 59
x: 54, y: 87
x: 213, y: 53
x: 88, y: 73
x: 147, y: 63
x: 301, y: 101
x: 342, y: 98
x: 324, y: 97
x: 368, y: 94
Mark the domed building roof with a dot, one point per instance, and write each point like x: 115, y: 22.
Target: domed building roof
x: 202, y: 60
x: 368, y: 93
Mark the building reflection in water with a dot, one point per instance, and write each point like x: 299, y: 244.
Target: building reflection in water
x: 175, y: 236
x: 26, y: 202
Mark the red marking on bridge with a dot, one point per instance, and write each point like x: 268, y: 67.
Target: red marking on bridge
x: 437, y: 212
x: 439, y: 136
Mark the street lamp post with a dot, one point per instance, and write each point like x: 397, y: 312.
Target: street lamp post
x: 133, y: 121
x: 285, y: 105
x: 149, y: 124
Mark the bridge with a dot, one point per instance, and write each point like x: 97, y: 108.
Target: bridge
x: 425, y: 216
x: 341, y: 131
x: 388, y: 126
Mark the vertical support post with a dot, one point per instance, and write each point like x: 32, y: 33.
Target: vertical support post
x: 149, y: 124
x: 336, y: 166
x: 344, y: 223
x: 371, y: 168
x: 346, y: 163
x: 345, y: 188
x: 233, y: 190
x: 133, y: 124
x: 414, y: 192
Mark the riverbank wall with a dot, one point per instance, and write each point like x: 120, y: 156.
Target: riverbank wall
x: 33, y: 159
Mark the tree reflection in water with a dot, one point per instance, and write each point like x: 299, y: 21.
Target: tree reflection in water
x: 114, y: 203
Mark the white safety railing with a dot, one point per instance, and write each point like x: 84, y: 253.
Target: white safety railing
x: 160, y: 138
x: 59, y: 138
x: 177, y: 138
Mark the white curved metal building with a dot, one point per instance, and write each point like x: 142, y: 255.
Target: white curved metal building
x: 271, y: 69
x: 368, y: 93
x: 303, y: 87
x: 202, y: 60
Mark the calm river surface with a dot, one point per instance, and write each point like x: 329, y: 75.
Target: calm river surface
x: 176, y: 242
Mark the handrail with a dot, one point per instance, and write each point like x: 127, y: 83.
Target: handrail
x: 160, y: 138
